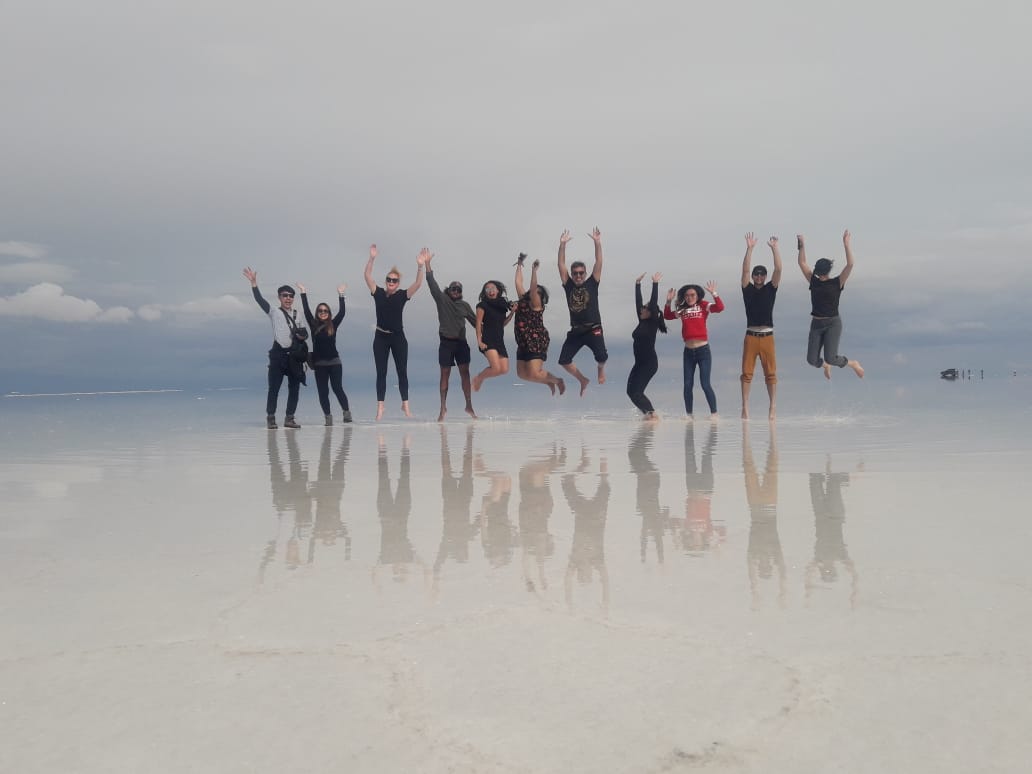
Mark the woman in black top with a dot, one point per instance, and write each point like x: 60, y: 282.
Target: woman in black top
x: 389, y: 338
x: 650, y: 320
x: 325, y: 359
x: 825, y: 323
x: 493, y: 313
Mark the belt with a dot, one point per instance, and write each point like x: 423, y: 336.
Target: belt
x: 759, y: 334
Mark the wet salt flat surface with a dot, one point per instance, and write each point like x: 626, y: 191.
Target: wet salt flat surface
x: 183, y: 590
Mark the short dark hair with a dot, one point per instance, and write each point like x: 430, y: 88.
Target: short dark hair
x: 284, y: 289
x: 578, y: 265
x: 823, y: 267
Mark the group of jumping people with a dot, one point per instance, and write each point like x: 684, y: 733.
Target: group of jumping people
x: 300, y: 345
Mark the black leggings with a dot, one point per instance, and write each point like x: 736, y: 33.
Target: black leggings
x: 397, y: 345
x: 645, y: 367
x: 326, y: 377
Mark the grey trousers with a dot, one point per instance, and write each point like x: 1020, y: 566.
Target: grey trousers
x: 825, y: 334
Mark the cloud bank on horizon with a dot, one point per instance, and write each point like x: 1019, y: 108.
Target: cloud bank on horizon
x: 162, y: 149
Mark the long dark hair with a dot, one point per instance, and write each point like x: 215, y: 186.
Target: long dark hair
x: 542, y: 294
x: 655, y: 313
x: 326, y: 326
x: 501, y: 291
x: 699, y: 295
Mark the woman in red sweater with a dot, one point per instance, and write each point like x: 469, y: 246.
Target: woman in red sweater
x: 693, y: 311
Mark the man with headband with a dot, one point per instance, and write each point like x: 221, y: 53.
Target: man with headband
x: 452, y: 314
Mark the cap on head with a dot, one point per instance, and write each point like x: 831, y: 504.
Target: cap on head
x: 759, y: 269
x: 455, y: 285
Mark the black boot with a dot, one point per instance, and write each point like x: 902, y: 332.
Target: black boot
x: 270, y: 421
x: 288, y: 421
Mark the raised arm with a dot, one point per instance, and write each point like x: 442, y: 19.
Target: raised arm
x: 656, y: 279
x: 518, y: 280
x: 637, y: 294
x: 750, y: 243
x: 596, y: 270
x: 846, y: 239
x: 252, y: 277
x: 668, y: 313
x: 431, y: 281
x: 304, y: 303
x: 718, y: 303
x: 424, y: 256
x: 535, y: 297
x: 341, y: 290
x: 563, y: 273
x: 369, y: 269
x: 775, y: 278
x: 804, y: 267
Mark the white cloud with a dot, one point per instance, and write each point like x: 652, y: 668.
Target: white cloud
x: 47, y: 301
x: 22, y: 249
x: 931, y: 326
x: 201, y: 310
x: 24, y: 273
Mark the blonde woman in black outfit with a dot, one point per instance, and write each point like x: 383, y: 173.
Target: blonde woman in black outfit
x: 325, y: 359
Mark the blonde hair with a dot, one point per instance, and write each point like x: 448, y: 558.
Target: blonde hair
x: 395, y: 270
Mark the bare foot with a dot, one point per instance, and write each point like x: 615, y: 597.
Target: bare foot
x: 601, y: 375
x: 379, y: 411
x: 827, y: 372
x: 745, y: 413
x: 550, y: 387
x: 584, y: 382
x: 476, y: 383
x: 470, y: 411
x: 405, y: 409
x: 855, y: 365
x: 771, y: 415
x: 714, y: 417
x: 440, y: 417
x: 651, y: 416
x: 562, y: 387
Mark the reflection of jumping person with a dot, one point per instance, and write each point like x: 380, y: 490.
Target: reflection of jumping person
x: 829, y: 520
x: 693, y: 311
x: 650, y: 320
x: 389, y: 338
x: 759, y: 296
x: 587, y: 551
x: 585, y: 317
x: 285, y: 328
x: 456, y: 498
x: 325, y: 358
x: 532, y: 337
x: 497, y: 533
x: 825, y: 323
x: 452, y: 315
x: 327, y: 491
x: 654, y: 518
x: 763, y: 556
x: 493, y: 313
x: 534, y: 512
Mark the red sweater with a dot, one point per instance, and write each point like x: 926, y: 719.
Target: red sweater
x: 693, y: 319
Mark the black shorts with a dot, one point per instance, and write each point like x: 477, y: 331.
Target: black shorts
x: 526, y: 354
x: 591, y: 338
x: 497, y: 347
x: 453, y: 351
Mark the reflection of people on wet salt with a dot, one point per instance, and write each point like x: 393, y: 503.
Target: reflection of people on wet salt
x: 456, y: 498
x: 497, y: 533
x: 396, y: 550
x: 829, y: 520
x: 764, y: 557
x: 654, y: 518
x: 699, y: 533
x: 289, y: 494
x: 327, y: 491
x: 535, y: 509
x: 587, y: 553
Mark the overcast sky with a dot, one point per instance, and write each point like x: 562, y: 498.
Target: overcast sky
x: 152, y: 150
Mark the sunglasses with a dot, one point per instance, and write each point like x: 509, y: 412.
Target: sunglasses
x: 322, y: 311
x: 393, y: 280
x: 579, y: 273
x: 286, y: 295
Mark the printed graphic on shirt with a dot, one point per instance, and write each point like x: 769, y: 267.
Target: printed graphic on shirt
x: 579, y: 299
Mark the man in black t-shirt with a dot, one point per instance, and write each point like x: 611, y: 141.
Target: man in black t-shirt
x: 759, y: 296
x: 585, y: 317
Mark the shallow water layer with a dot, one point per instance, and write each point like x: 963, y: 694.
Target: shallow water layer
x: 184, y: 590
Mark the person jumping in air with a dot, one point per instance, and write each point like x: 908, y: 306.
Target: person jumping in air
x: 585, y: 318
